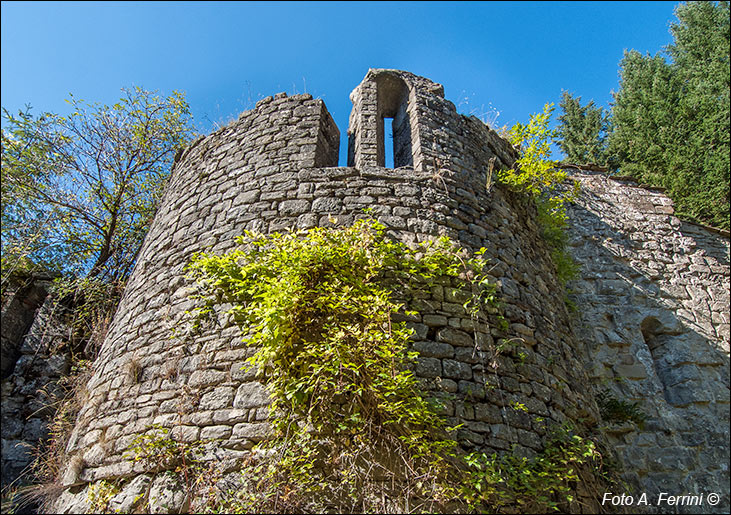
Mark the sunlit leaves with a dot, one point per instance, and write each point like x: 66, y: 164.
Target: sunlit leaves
x: 79, y: 191
x: 319, y: 307
x: 538, y: 176
x: 539, y: 484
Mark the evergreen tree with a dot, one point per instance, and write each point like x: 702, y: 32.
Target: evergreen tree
x: 671, y: 119
x: 583, y: 131
x: 644, y: 117
x: 700, y: 54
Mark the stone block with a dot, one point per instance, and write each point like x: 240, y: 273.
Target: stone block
x: 456, y: 295
x: 255, y: 432
x: 167, y: 495
x: 231, y: 416
x: 456, y: 369
x: 685, y: 394
x: 447, y: 385
x: 131, y: 496
x: 469, y: 355
x: 634, y: 371
x: 470, y: 436
x: 220, y: 398
x: 251, y: 395
x: 472, y: 390
x: 428, y: 367
x: 216, y: 432
x: 293, y: 207
x: 434, y: 320
x: 680, y: 374
x: 420, y: 330
x: 453, y: 309
x: 456, y: 337
x: 488, y: 413
x: 202, y: 378
x: 434, y: 349
x: 529, y: 439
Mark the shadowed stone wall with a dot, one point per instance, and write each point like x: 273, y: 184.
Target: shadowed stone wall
x: 32, y: 366
x: 653, y: 299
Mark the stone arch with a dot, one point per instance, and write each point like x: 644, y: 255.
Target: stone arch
x: 383, y: 94
x: 669, y: 357
x: 393, y: 102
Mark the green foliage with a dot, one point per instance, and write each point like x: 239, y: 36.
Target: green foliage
x: 351, y: 429
x: 79, y: 191
x: 539, y: 484
x: 345, y: 406
x: 583, y: 131
x: 643, y: 116
x: 100, y: 494
x: 86, y: 307
x: 615, y: 410
x: 537, y: 175
x: 671, y: 119
x: 157, y: 451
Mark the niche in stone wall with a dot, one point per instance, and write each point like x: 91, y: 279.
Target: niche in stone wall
x: 393, y: 102
x: 659, y: 341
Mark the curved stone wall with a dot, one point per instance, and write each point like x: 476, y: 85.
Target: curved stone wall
x: 273, y: 169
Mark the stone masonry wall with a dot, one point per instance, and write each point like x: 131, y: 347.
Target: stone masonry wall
x: 652, y: 324
x: 653, y: 299
x: 272, y: 170
x: 30, y: 392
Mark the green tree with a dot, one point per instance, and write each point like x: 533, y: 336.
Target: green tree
x: 671, y: 118
x: 79, y: 191
x: 700, y: 54
x: 644, y: 116
x: 582, y: 131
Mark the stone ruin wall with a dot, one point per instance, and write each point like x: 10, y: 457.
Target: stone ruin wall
x: 275, y: 168
x: 30, y: 372
x: 653, y: 300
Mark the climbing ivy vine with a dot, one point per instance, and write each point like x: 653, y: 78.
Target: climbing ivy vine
x: 351, y: 427
x: 319, y: 308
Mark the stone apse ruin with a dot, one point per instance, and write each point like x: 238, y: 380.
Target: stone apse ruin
x: 652, y: 324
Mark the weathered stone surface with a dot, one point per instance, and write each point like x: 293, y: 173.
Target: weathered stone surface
x: 166, y: 495
x: 131, y: 496
x: 652, y: 334
x: 431, y: 349
x: 251, y: 395
x: 219, y: 398
x: 29, y: 391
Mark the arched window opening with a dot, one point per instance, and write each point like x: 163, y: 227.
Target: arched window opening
x: 388, y: 143
x: 393, y: 100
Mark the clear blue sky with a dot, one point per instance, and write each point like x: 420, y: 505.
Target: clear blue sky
x: 506, y: 57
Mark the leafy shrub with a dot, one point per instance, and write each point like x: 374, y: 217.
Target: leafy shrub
x: 351, y: 429
x: 345, y: 406
x: 616, y: 410
x: 536, y: 175
x: 531, y: 485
